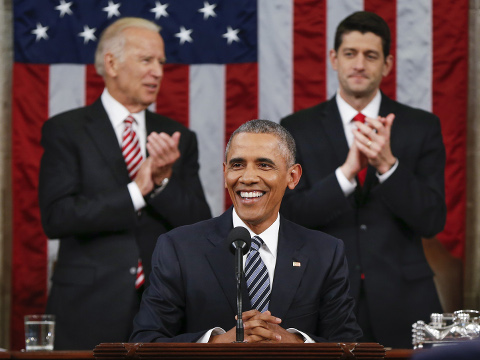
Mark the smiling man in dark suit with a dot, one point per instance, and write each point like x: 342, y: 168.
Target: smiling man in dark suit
x: 112, y: 178
x: 378, y: 185
x: 302, y: 273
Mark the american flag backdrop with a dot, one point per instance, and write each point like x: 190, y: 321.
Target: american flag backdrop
x: 228, y: 61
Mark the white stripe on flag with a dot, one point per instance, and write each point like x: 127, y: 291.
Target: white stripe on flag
x: 414, y: 53
x: 275, y: 57
x: 207, y: 119
x: 337, y: 10
x: 66, y: 88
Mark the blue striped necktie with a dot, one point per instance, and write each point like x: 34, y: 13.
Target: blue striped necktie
x: 256, y: 275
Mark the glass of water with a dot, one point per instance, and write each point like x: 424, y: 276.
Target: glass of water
x: 39, y: 332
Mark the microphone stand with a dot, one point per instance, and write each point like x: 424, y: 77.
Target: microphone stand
x: 238, y: 275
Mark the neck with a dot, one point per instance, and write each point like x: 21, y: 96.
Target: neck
x: 359, y: 102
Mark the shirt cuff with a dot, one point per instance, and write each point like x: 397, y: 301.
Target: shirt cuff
x: 306, y: 339
x: 385, y: 176
x: 212, y: 332
x: 136, y: 195
x: 348, y: 187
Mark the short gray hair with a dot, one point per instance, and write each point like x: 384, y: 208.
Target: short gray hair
x: 112, y: 39
x: 286, y: 144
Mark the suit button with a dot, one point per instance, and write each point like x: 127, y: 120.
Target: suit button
x: 363, y: 227
x: 133, y: 270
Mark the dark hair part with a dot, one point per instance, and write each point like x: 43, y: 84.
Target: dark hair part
x: 364, y: 21
x: 287, y: 144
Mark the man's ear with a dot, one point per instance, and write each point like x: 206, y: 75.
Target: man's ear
x: 295, y: 173
x: 110, y: 64
x: 388, y: 65
x: 224, y: 175
x: 333, y: 59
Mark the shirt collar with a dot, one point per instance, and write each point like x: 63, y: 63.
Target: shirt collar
x: 269, y: 236
x: 117, y: 113
x: 347, y: 112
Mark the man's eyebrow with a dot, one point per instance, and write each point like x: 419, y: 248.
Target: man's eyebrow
x: 266, y: 160
x: 235, y: 160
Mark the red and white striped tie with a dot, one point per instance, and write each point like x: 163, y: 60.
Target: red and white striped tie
x: 140, y: 280
x: 133, y: 159
x: 131, y: 148
x: 362, y: 173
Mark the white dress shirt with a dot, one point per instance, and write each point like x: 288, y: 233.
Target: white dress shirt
x: 117, y: 113
x: 268, y: 253
x: 347, y: 113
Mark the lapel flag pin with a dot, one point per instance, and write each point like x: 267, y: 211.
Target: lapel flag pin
x: 296, y: 263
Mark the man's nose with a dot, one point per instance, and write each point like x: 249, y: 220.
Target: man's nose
x: 249, y: 175
x: 359, y: 62
x: 157, y: 69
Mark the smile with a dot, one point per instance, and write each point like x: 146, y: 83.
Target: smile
x: 251, y: 194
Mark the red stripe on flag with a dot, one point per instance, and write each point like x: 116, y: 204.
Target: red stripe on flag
x: 241, y: 100
x: 450, y: 81
x: 309, y: 49
x: 94, y: 85
x: 388, y: 11
x: 173, y: 98
x: 29, y: 248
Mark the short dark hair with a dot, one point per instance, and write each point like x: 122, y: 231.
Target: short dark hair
x: 286, y: 144
x: 364, y: 21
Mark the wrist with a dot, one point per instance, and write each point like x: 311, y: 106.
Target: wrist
x: 383, y: 168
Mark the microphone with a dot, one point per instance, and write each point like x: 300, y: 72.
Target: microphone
x: 239, y: 242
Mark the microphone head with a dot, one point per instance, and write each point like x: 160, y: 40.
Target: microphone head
x: 239, y: 237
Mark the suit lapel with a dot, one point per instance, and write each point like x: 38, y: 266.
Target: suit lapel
x: 287, y: 276
x: 331, y: 122
x: 222, y: 262
x: 103, y: 135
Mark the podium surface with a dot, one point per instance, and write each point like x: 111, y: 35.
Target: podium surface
x: 177, y: 351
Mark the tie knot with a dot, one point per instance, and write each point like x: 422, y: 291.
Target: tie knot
x: 359, y: 117
x: 257, y: 243
x: 129, y: 120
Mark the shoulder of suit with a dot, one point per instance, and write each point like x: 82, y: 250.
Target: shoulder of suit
x: 309, y: 234
x: 166, y: 122
x: 304, y: 115
x: 404, y: 110
x: 193, y: 232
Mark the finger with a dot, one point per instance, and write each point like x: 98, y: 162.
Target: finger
x: 176, y: 137
x: 246, y: 315
x: 363, y: 139
x: 265, y: 333
x: 367, y: 147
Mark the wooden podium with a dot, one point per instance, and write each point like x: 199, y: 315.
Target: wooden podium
x: 177, y: 351
x: 174, y: 351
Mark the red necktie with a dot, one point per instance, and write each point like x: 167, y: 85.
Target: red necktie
x: 133, y: 159
x: 131, y: 148
x: 362, y: 173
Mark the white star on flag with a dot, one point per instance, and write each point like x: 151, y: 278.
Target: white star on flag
x: 231, y: 35
x: 112, y: 9
x: 88, y: 34
x: 40, y: 32
x: 208, y: 10
x: 184, y: 35
x: 64, y: 8
x: 159, y: 10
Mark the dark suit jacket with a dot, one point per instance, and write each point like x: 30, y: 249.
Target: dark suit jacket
x: 381, y: 224
x: 193, y: 287
x: 85, y: 202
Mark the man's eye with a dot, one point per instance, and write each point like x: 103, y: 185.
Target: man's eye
x: 264, y: 165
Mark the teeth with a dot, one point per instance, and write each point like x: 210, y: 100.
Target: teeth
x: 251, y: 194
